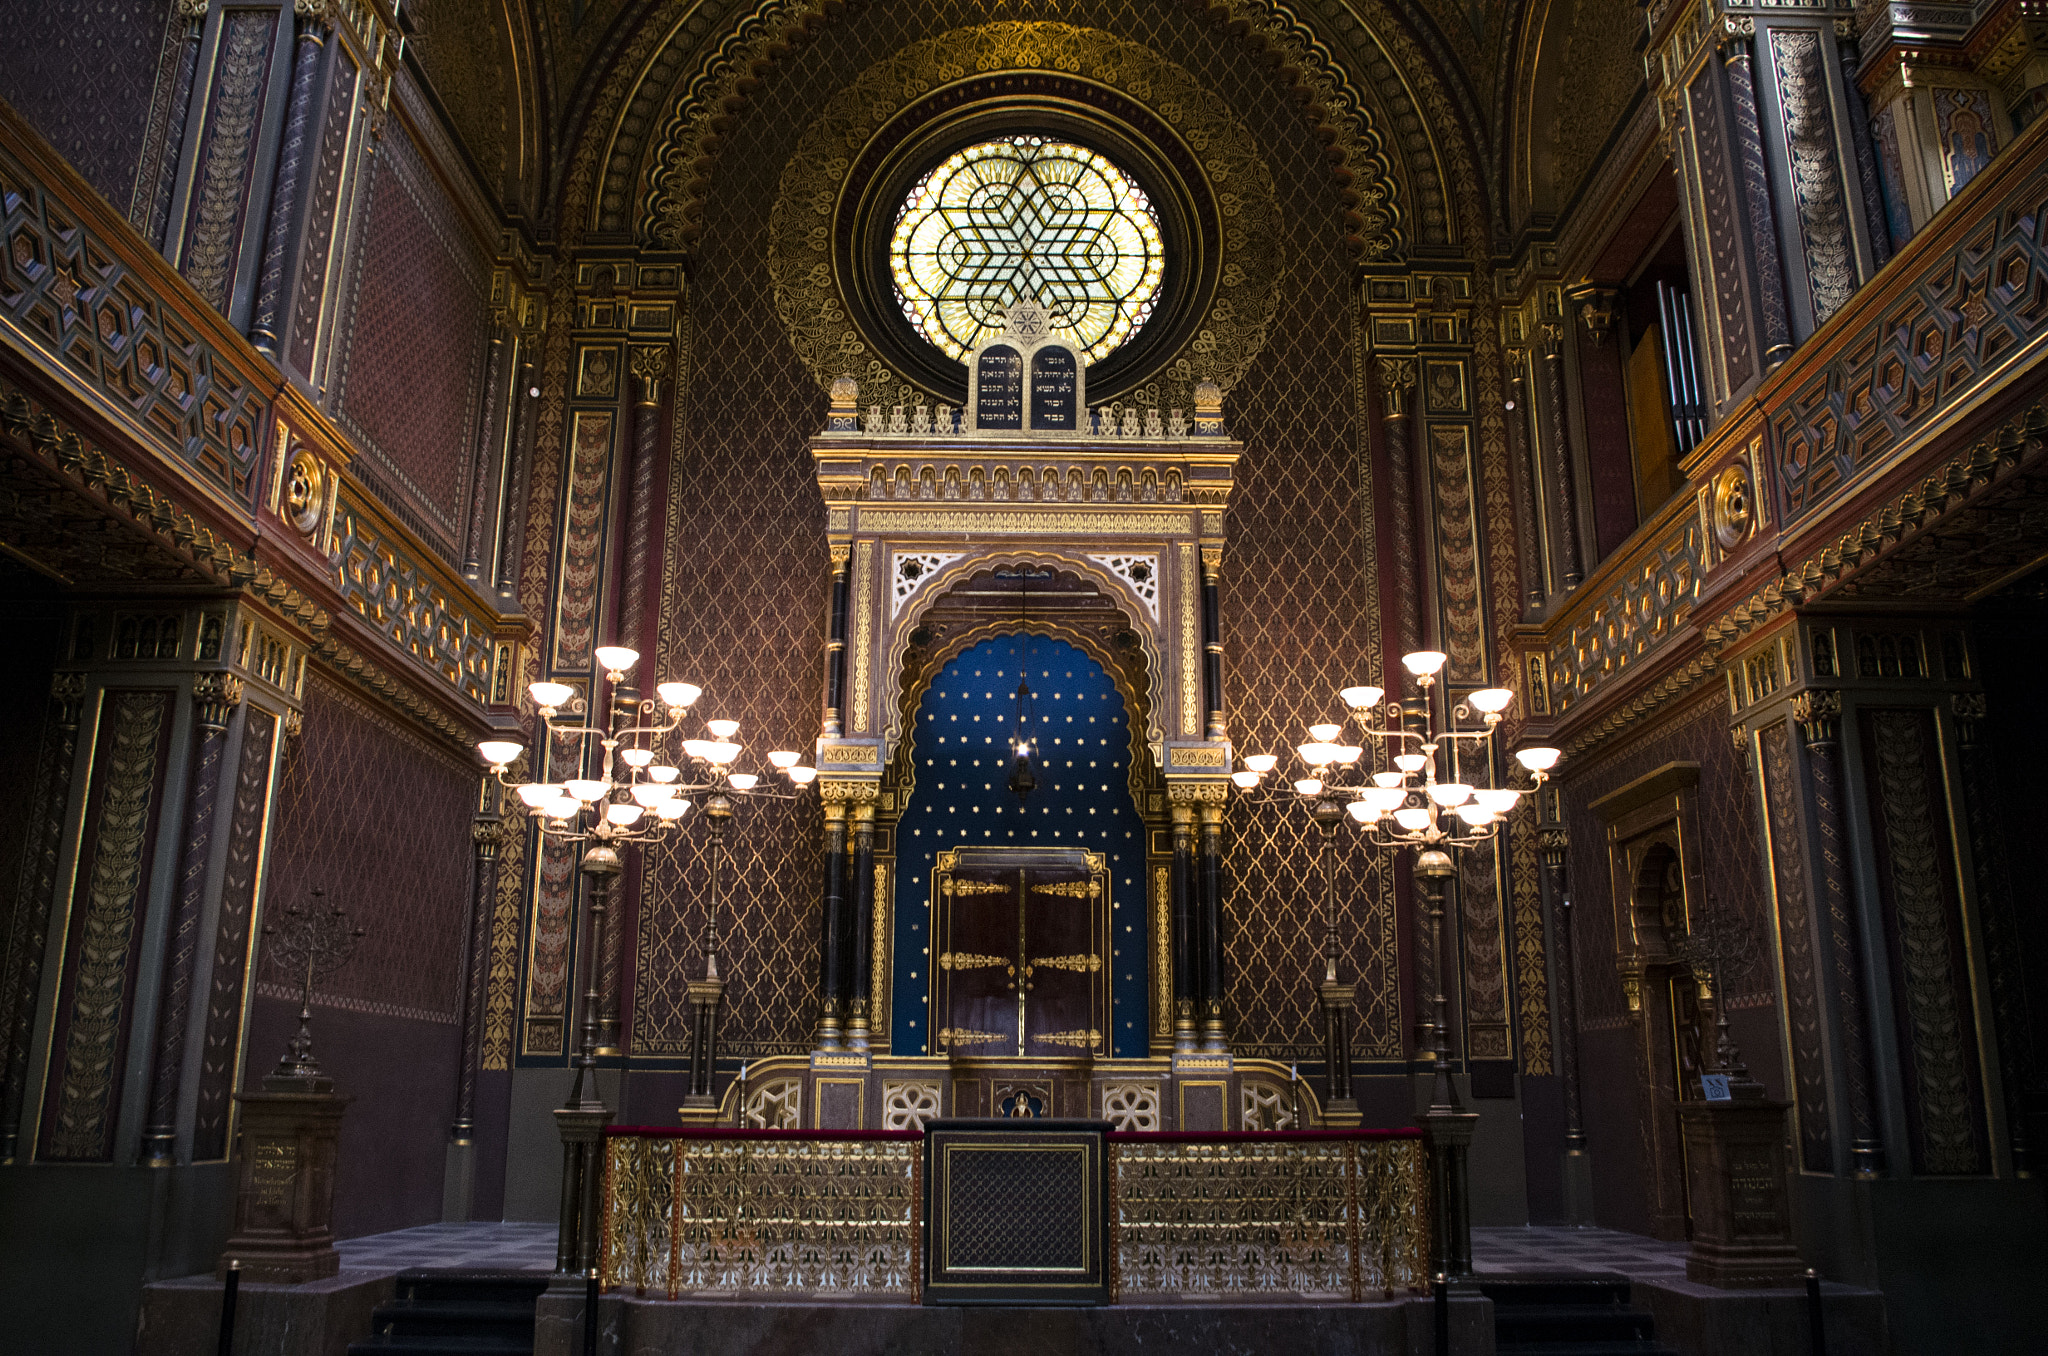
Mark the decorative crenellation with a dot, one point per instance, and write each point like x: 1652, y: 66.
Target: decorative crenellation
x: 1005, y: 482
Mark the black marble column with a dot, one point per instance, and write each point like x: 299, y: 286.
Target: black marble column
x: 1562, y: 471
x: 1210, y: 927
x: 1181, y: 891
x: 835, y: 647
x: 860, y: 918
x: 1212, y: 646
x: 832, y: 929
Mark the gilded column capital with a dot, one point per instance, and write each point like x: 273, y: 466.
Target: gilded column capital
x: 847, y: 791
x: 650, y: 364
x: 194, y: 10
x: 1818, y: 711
x: 214, y: 698
x: 1553, y: 841
x: 486, y: 833
x: 67, y: 690
x: 1397, y: 375
x: 1197, y: 793
x: 1596, y: 308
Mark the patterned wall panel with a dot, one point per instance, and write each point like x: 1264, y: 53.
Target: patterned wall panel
x: 379, y: 819
x: 412, y: 405
x: 1932, y: 1005
x: 39, y: 759
x: 103, y: 941
x: 83, y: 71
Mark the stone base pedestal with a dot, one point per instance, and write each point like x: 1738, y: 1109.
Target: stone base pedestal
x: 284, y: 1198
x: 1741, y: 1215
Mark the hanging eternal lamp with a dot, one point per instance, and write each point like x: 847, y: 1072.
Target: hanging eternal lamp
x: 1023, y: 781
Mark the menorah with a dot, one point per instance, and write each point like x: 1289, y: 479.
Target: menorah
x: 311, y: 943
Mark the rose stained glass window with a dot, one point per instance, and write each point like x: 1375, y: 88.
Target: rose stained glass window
x: 1026, y: 218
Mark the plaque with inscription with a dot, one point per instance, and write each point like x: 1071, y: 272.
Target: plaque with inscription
x: 999, y: 388
x: 1052, y: 389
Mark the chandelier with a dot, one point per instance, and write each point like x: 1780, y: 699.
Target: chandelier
x: 645, y: 775
x: 1437, y: 790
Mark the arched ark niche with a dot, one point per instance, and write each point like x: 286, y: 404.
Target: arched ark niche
x: 957, y: 762
x: 987, y: 592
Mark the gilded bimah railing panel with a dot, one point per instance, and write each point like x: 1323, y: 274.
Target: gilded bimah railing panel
x: 759, y: 1213
x: 1324, y: 1216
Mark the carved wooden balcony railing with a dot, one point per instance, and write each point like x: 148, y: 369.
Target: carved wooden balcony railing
x: 139, y: 408
x: 1885, y: 454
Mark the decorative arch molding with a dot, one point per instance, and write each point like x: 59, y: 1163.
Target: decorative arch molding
x: 660, y: 153
x: 1129, y: 606
x: 1146, y: 782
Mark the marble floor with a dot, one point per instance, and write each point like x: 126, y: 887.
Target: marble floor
x: 1495, y: 1251
x: 1551, y: 1249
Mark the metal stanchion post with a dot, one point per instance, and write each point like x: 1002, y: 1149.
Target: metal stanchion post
x: 228, y: 1290
x: 590, y: 1314
x: 1442, y: 1287
x: 1818, y: 1335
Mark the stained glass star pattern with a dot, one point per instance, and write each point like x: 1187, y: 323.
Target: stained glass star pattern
x: 1026, y: 218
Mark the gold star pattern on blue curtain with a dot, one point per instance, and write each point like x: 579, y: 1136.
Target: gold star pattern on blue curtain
x: 1083, y: 800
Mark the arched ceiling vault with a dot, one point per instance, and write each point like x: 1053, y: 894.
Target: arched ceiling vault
x: 667, y: 81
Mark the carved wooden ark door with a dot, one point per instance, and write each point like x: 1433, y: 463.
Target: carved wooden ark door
x: 1023, y: 949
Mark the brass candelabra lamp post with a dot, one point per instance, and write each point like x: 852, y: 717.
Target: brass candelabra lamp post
x: 1427, y: 787
x: 628, y: 778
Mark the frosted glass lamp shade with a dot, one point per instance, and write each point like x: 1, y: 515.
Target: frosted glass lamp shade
x: 625, y: 815
x: 743, y: 781
x: 1360, y: 698
x: 550, y: 696
x: 1348, y: 754
x: 564, y: 807
x: 676, y: 696
x: 1477, y: 816
x: 721, y: 755
x: 1537, y: 760
x: 723, y: 729
x: 1450, y: 793
x: 663, y: 773
x: 616, y: 658
x: 1497, y: 800
x: 1309, y: 786
x: 1424, y: 663
x: 500, y: 752
x: 1491, y: 700
x: 1317, y: 754
x: 1386, y: 799
x: 784, y: 759
x: 1410, y: 762
x: 652, y: 794
x: 1414, y: 818
x: 1361, y: 811
x: 1325, y: 733
x: 534, y: 795
x: 586, y: 790
x: 803, y: 776
x: 636, y: 758
x: 1245, y: 780
x: 1262, y: 763
x: 672, y: 809
x: 1389, y: 778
